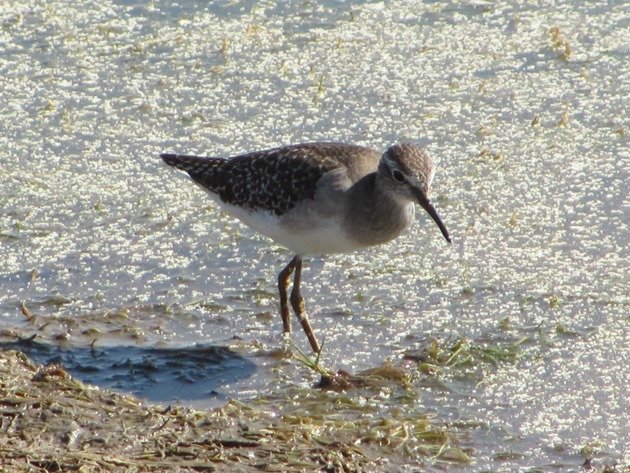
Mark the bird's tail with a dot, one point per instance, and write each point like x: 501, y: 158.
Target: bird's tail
x: 192, y: 164
x: 204, y: 171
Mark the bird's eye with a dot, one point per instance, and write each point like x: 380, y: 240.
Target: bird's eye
x: 398, y: 176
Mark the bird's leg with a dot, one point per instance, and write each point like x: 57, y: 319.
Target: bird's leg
x: 283, y: 286
x: 297, y: 301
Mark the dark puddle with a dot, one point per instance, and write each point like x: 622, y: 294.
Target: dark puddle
x: 154, y: 374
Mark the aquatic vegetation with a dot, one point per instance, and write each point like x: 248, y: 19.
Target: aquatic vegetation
x: 55, y: 422
x: 465, y: 353
x: 560, y: 43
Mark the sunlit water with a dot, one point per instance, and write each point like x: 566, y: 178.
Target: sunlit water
x: 523, y: 106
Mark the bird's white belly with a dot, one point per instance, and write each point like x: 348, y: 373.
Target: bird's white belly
x: 312, y: 235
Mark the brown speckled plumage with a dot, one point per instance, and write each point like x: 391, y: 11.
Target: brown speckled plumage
x: 274, y: 180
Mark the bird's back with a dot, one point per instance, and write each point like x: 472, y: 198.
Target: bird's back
x: 276, y: 180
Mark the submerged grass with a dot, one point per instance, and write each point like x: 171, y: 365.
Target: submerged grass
x: 463, y: 352
x: 310, y: 363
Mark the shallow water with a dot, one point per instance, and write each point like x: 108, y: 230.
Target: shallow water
x: 523, y: 106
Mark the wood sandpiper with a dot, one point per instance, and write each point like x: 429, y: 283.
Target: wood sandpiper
x: 316, y: 199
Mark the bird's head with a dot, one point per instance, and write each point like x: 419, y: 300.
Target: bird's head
x: 407, y: 172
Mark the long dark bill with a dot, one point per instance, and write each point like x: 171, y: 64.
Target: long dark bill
x: 426, y: 204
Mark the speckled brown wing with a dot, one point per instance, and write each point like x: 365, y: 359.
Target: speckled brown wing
x: 274, y: 180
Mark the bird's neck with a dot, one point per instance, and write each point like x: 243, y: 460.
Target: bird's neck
x: 375, y: 215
